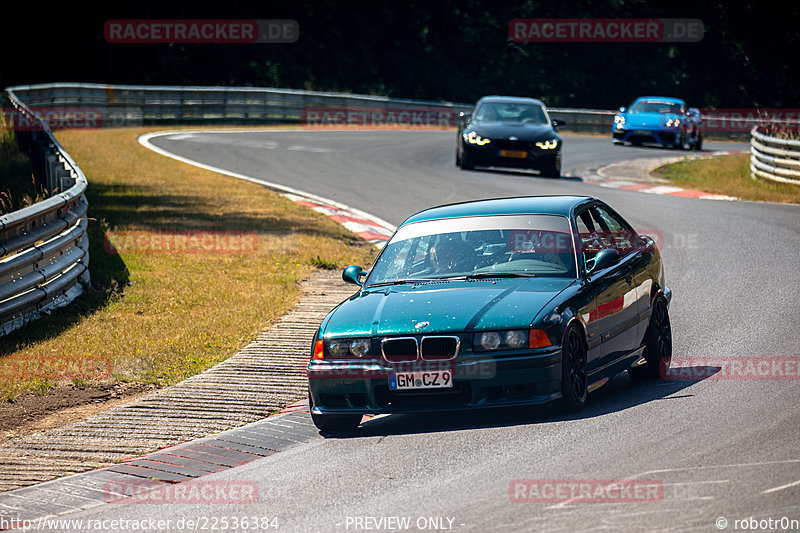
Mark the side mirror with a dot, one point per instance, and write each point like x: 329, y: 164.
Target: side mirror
x: 558, y: 122
x: 605, y: 258
x: 353, y: 274
x: 622, y: 109
x: 464, y: 117
x: 646, y: 242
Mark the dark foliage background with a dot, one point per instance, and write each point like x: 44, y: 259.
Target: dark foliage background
x: 446, y: 49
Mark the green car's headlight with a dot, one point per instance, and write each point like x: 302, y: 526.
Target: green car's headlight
x: 516, y: 339
x: 339, y: 348
x: 347, y: 348
x: 488, y: 340
x: 474, y: 138
x: 360, y: 347
x: 548, y: 145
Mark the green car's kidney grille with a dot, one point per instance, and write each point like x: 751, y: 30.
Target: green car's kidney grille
x: 399, y: 350
x: 439, y: 348
x: 430, y: 348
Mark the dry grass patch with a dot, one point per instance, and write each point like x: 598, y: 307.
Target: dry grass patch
x: 160, y: 317
x: 729, y: 175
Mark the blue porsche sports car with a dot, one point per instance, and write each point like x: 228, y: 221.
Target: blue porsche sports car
x: 493, y: 303
x: 660, y: 120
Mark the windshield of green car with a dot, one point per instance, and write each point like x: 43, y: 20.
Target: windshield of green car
x: 481, y: 246
x: 655, y: 106
x: 512, y: 113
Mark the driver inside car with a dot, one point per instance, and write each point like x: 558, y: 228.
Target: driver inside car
x: 451, y: 254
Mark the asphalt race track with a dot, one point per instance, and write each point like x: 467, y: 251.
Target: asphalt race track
x: 719, y: 448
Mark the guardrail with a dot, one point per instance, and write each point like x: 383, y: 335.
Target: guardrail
x: 44, y: 248
x: 773, y: 158
x: 131, y: 105
x: 135, y: 105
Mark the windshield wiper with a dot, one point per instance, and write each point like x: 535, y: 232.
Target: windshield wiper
x: 401, y: 282
x: 484, y: 275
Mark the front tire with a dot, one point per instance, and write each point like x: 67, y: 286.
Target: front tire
x: 658, y: 344
x: 553, y: 169
x: 466, y: 162
x: 681, y: 141
x: 574, y: 377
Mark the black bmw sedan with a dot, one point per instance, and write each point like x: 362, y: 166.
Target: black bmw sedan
x: 506, y: 131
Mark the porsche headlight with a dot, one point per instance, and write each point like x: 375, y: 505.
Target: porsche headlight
x: 619, y: 122
x: 673, y: 122
x: 474, y: 138
x: 548, y: 145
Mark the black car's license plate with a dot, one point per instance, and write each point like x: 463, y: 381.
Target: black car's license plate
x: 520, y: 154
x: 421, y: 379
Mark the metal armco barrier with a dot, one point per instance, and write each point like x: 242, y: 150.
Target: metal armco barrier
x: 773, y: 158
x: 133, y: 105
x: 44, y: 248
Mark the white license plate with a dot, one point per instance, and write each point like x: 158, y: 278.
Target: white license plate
x: 422, y: 379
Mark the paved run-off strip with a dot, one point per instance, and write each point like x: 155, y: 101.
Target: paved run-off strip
x: 264, y: 377
x: 635, y: 175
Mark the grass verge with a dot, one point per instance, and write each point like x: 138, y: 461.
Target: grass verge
x: 155, y: 317
x: 729, y: 175
x: 17, y: 186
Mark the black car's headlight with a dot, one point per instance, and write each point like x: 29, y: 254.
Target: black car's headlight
x: 473, y: 138
x: 515, y: 339
x: 550, y: 144
x: 343, y: 348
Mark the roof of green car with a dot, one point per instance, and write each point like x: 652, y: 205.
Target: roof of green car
x: 546, y: 205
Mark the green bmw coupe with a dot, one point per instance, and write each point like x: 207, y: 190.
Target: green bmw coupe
x: 493, y: 303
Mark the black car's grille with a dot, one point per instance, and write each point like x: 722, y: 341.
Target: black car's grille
x: 505, y: 144
x: 439, y: 348
x: 430, y: 348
